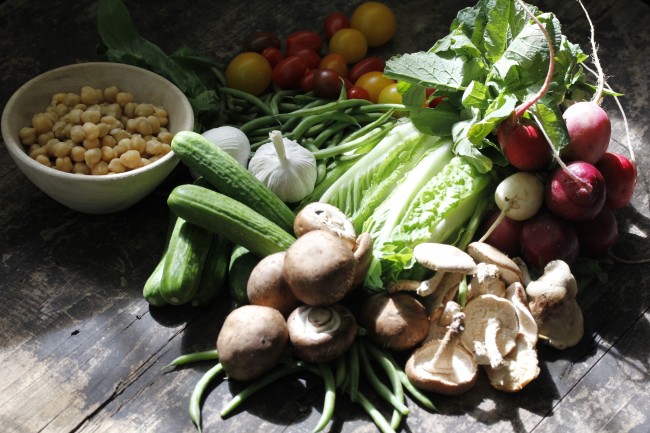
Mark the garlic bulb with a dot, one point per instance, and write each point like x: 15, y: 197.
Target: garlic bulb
x: 285, y: 167
x: 232, y: 140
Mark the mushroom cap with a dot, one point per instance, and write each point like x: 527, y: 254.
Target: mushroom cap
x: 321, y: 334
x: 451, y: 378
x: 396, y: 321
x: 443, y: 257
x: 267, y: 286
x: 486, y: 253
x: 363, y: 255
x: 319, y: 268
x: 520, y: 368
x: 251, y: 341
x: 324, y: 216
x: 527, y: 325
x: 484, y: 311
x: 552, y: 303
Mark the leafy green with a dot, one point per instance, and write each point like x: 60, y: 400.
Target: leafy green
x: 493, y: 58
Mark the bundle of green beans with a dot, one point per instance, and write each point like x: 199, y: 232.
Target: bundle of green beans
x: 341, y: 375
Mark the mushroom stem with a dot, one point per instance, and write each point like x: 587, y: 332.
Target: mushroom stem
x: 321, y: 319
x: 491, y: 347
x: 442, y: 361
x: 278, y: 144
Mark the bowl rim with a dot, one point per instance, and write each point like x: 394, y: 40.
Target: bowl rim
x: 16, y: 149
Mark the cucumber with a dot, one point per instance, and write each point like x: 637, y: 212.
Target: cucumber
x: 151, y: 289
x: 184, y: 259
x: 215, y: 271
x: 241, y: 265
x: 230, y: 178
x: 229, y: 218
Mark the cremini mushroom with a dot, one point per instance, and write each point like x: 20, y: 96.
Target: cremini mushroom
x: 519, y: 367
x: 552, y: 302
x: 319, y: 268
x: 491, y: 327
x: 321, y: 334
x: 324, y: 216
x: 486, y: 253
x: 267, y: 285
x: 444, y: 366
x: 363, y: 254
x: 396, y: 321
x: 251, y: 341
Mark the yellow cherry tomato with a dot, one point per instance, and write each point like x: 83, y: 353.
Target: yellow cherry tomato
x: 374, y: 82
x: 350, y: 43
x: 376, y: 21
x: 390, y: 95
x: 249, y: 72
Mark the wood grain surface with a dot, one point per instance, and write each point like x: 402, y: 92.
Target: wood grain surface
x: 81, y: 351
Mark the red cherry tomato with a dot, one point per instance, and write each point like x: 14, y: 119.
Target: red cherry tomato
x: 305, y: 39
x: 327, y: 83
x: 311, y: 57
x: 368, y: 64
x: 273, y: 55
x: 257, y: 41
x: 334, y: 61
x: 288, y: 72
x: 335, y: 22
x: 358, y: 92
x: 307, y: 81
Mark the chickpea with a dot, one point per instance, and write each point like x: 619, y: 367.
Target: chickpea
x: 138, y: 143
x: 111, y: 121
x: 131, y: 159
x: 42, y: 159
x: 77, y: 134
x: 155, y: 124
x: 91, y: 116
x: 27, y: 135
x: 132, y: 125
x: 166, y: 148
x: 63, y: 164
x: 71, y: 99
x: 165, y: 137
x: 74, y: 116
x: 61, y: 110
x: 144, y: 162
x: 93, y: 156
x: 78, y: 153
x: 62, y: 148
x: 59, y: 129
x: 129, y: 110
x: 120, y: 134
x: 144, y: 110
x: 108, y: 153
x: 45, y: 137
x: 116, y: 166
x: 36, y: 150
x: 123, y: 98
x: 42, y: 123
x: 100, y: 168
x: 89, y: 95
x: 91, y: 143
x: 108, y: 140
x: 143, y: 126
x: 58, y: 98
x: 110, y: 93
x: 112, y: 110
x: 104, y: 129
x: 153, y: 147
x: 122, y: 146
x: 80, y: 168
x: 162, y: 115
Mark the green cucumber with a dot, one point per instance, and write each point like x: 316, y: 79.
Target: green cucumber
x: 229, y: 218
x: 241, y: 265
x: 151, y: 289
x: 184, y: 259
x: 215, y: 271
x: 230, y: 178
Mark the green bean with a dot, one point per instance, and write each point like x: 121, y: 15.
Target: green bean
x: 376, y: 416
x: 258, y: 384
x: 330, y: 397
x: 336, y: 106
x: 190, y: 358
x: 382, y: 107
x: 371, y: 137
x: 308, y: 122
x: 341, y: 371
x: 254, y: 100
x: 416, y: 393
x: 259, y: 122
x: 369, y: 127
x: 274, y: 103
x: 353, y: 374
x: 391, y: 372
x: 290, y: 121
x: 373, y: 379
x: 197, y: 393
x: 329, y: 132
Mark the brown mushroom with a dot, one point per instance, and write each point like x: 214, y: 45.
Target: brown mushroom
x: 443, y: 366
x: 319, y: 268
x: 396, y: 321
x: 324, y: 216
x: 363, y: 255
x: 251, y: 341
x: 527, y: 325
x: 491, y: 328
x: 552, y: 302
x: 267, y: 285
x: 486, y: 253
x: 487, y: 280
x: 518, y: 369
x: 321, y: 334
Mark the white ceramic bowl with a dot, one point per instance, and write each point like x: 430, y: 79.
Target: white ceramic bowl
x: 91, y: 193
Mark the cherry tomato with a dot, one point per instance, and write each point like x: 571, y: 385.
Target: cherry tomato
x: 305, y: 39
x: 288, y: 72
x: 311, y: 57
x: 376, y: 21
x: 350, y: 43
x: 307, y: 81
x: 374, y: 82
x: 273, y: 55
x: 390, y: 95
x: 356, y: 92
x: 249, y: 72
x: 335, y: 22
x: 257, y: 41
x: 336, y: 62
x: 366, y: 65
x: 327, y: 83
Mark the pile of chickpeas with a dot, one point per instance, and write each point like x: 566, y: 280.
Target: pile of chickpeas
x: 97, y: 132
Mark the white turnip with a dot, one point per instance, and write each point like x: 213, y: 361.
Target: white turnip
x: 576, y: 200
x: 620, y: 178
x: 546, y: 237
x: 597, y: 236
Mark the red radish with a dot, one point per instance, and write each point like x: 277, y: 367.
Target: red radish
x: 546, y: 237
x: 589, y: 132
x: 620, y: 179
x: 523, y: 144
x: 505, y: 236
x: 576, y: 200
x: 597, y: 236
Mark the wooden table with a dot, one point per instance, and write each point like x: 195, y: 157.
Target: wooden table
x: 81, y: 351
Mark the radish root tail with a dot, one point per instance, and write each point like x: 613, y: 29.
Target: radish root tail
x: 598, y: 96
